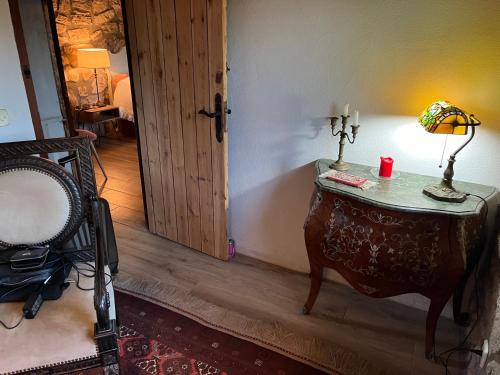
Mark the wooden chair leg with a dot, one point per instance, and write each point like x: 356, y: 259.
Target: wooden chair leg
x: 316, y: 279
x: 435, y: 309
x: 94, y: 151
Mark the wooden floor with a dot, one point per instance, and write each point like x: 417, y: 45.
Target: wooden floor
x: 123, y: 188
x: 385, y: 332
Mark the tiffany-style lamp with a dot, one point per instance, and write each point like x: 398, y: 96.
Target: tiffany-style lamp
x: 443, y: 118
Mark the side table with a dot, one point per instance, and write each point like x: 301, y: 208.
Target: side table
x: 391, y: 239
x: 93, y: 117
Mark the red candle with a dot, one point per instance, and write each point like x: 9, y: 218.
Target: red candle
x: 385, y: 167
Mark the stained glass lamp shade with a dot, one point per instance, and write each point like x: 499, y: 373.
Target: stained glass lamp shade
x: 442, y: 117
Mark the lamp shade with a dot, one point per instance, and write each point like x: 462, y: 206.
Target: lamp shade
x: 442, y: 117
x: 92, y: 58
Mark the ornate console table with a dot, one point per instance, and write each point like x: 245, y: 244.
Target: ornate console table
x: 391, y: 239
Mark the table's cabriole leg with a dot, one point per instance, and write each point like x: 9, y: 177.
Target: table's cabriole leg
x: 313, y: 236
x: 316, y: 279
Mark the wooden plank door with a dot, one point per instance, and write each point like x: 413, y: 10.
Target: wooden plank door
x: 178, y: 68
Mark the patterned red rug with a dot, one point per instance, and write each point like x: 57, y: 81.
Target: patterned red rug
x: 156, y: 341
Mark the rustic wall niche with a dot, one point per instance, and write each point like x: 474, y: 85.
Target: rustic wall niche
x: 83, y: 24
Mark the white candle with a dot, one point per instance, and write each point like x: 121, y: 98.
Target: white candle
x: 356, y: 118
x: 346, y: 110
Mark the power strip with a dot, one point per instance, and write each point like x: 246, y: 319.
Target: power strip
x: 484, y: 353
x: 32, y: 305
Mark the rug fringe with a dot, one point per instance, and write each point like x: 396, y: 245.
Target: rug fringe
x: 318, y: 353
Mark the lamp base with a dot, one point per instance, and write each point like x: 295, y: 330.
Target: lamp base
x: 339, y: 165
x: 444, y: 193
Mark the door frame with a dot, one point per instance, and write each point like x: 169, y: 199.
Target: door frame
x: 134, y: 107
x: 62, y: 89
x: 22, y: 51
x: 58, y: 67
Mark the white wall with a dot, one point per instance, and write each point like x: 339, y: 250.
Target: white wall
x: 294, y: 62
x: 119, y: 61
x: 12, y: 91
x: 42, y: 72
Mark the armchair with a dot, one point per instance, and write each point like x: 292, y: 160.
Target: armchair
x: 45, y: 204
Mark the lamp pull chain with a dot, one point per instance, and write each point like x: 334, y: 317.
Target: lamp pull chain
x: 444, y: 149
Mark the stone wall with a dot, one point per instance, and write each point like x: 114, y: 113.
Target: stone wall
x: 83, y: 24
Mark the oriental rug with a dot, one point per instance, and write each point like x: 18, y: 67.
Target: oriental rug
x: 157, y: 341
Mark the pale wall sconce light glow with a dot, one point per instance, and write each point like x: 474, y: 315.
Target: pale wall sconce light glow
x: 415, y: 142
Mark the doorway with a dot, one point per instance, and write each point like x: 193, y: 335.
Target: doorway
x: 146, y: 81
x: 93, y: 51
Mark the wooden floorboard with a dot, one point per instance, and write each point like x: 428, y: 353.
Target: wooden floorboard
x: 130, y: 217
x: 123, y: 188
x: 130, y: 186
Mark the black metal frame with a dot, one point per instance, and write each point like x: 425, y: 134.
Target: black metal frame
x: 79, y: 149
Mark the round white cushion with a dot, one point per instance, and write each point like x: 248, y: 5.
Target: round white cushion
x: 34, y: 207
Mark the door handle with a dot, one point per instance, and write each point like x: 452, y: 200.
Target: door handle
x: 218, y: 115
x: 208, y: 114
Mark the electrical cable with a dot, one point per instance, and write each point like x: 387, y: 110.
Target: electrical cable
x: 20, y: 287
x: 15, y: 325
x: 460, y: 347
x: 22, y: 317
x: 86, y: 272
x: 24, y: 282
x: 444, y: 149
x: 89, y: 272
x: 88, y: 275
x: 12, y: 291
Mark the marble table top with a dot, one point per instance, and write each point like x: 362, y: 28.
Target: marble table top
x: 405, y: 192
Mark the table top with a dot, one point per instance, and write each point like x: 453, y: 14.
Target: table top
x: 405, y: 192
x: 98, y: 109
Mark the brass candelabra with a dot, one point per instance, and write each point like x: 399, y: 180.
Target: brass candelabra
x: 340, y: 164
